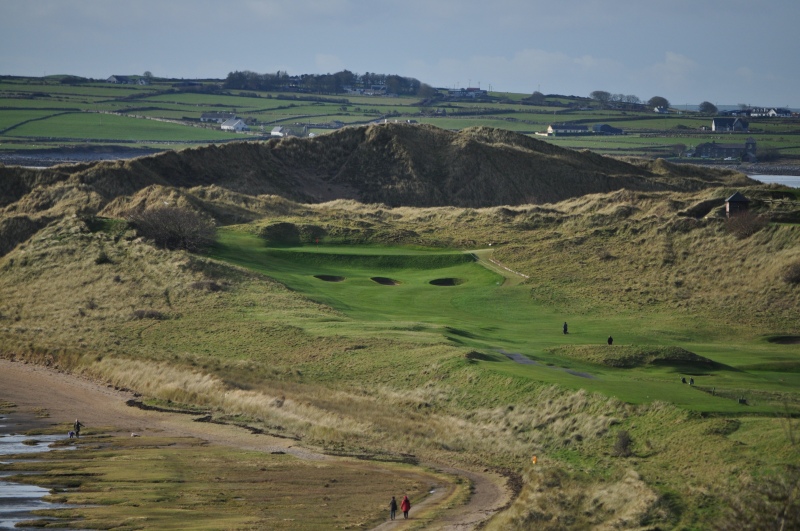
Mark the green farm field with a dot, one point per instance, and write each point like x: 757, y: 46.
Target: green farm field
x: 114, y: 127
x: 23, y: 99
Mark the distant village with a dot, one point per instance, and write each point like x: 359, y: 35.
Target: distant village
x: 731, y: 121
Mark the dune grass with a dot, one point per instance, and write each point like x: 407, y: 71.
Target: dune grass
x: 360, y: 367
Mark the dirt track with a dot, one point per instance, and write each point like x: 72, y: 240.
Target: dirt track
x: 66, y: 397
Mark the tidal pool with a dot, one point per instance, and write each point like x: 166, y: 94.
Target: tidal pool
x: 17, y: 500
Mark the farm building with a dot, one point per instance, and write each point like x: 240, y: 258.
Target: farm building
x: 566, y: 129
x: 218, y: 117
x: 735, y: 204
x: 770, y: 112
x: 127, y: 80
x: 469, y: 92
x: 729, y: 124
x: 278, y: 131
x: 235, y: 124
x: 605, y: 129
x: 712, y: 150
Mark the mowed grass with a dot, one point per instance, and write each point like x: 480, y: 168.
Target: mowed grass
x: 480, y: 311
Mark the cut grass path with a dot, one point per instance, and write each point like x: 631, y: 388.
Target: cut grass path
x: 484, y: 258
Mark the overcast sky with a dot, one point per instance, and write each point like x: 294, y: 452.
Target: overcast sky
x: 688, y: 51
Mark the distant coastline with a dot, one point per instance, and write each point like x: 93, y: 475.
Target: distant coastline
x: 792, y: 181
x: 760, y: 168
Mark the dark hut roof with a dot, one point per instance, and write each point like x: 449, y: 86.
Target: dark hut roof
x: 737, y: 198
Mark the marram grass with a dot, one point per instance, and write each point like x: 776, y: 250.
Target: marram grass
x: 424, y: 369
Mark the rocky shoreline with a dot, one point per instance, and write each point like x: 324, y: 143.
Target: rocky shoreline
x: 760, y: 168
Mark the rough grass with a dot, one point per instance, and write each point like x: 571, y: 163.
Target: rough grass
x: 654, y: 269
x: 184, y: 484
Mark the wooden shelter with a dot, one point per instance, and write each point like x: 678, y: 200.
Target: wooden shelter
x: 736, y: 204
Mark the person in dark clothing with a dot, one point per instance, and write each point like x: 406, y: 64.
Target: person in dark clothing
x: 565, y: 327
x: 610, y: 340
x: 392, y: 508
x: 405, y: 506
x: 77, y: 428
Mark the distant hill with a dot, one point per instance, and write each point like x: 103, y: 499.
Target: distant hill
x: 395, y: 164
x: 392, y: 164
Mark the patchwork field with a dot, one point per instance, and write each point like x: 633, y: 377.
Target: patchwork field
x: 26, y: 102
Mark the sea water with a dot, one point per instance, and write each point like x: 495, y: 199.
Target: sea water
x: 792, y: 181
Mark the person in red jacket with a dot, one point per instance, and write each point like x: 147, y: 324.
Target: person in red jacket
x: 405, y: 506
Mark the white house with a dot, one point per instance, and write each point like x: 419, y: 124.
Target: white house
x: 278, y: 131
x: 127, y: 80
x: 770, y: 112
x: 235, y: 124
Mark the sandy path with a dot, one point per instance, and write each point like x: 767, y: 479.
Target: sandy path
x: 484, y: 258
x: 66, y: 397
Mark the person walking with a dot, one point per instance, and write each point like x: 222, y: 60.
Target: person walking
x: 565, y: 328
x: 405, y: 506
x: 77, y: 428
x: 610, y: 340
x: 392, y: 508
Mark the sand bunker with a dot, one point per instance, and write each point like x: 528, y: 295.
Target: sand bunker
x: 384, y: 281
x: 329, y: 278
x: 446, y: 281
x: 785, y: 340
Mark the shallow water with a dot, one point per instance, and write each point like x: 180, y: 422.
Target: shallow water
x: 15, y: 443
x: 17, y: 500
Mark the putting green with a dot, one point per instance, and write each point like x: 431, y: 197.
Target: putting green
x: 463, y: 298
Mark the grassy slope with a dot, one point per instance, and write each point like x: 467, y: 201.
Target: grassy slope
x: 353, y: 369
x: 116, y: 128
x: 412, y: 368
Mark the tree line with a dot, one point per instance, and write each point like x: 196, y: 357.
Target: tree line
x: 605, y: 98
x: 324, y: 83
